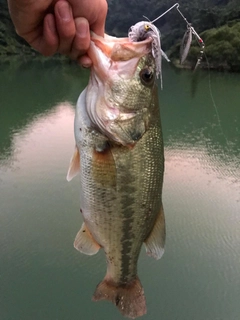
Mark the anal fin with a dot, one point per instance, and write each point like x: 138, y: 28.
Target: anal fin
x: 74, y: 166
x: 156, y: 240
x: 84, y: 241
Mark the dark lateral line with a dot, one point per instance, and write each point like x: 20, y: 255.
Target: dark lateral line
x: 128, y: 218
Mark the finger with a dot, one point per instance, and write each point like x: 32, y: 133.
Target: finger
x: 46, y: 42
x: 85, y: 61
x: 65, y: 26
x: 99, y: 25
x: 81, y: 40
x: 50, y: 36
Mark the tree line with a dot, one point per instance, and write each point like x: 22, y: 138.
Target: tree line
x: 216, y: 20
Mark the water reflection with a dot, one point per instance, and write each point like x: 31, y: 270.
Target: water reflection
x: 208, y: 121
x: 44, y: 277
x: 30, y: 90
x: 41, y: 142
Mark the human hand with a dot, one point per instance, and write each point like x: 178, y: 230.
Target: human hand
x: 63, y: 26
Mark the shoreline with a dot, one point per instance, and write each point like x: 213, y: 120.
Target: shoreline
x: 60, y: 59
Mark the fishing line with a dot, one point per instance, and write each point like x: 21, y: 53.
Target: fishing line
x: 202, y: 53
x: 214, y: 102
x: 147, y: 18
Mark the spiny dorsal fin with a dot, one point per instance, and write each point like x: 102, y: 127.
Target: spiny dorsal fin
x: 74, y: 166
x: 156, y: 240
x: 84, y: 241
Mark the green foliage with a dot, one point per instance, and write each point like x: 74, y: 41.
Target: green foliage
x: 219, y: 16
x: 203, y: 14
x: 222, y: 48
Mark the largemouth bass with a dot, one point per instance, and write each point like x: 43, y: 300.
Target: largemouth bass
x: 119, y: 155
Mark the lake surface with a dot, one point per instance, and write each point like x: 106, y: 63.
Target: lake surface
x: 42, y: 277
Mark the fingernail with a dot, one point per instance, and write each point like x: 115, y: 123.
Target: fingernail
x: 64, y: 11
x: 85, y: 61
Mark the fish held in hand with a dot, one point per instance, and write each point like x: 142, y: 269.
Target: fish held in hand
x: 119, y: 156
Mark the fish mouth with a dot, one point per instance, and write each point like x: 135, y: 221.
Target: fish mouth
x: 111, y: 55
x: 115, y: 61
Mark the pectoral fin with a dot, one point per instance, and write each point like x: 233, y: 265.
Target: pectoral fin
x: 84, y: 241
x: 104, y: 168
x: 156, y: 240
x: 74, y: 166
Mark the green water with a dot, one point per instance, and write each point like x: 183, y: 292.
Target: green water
x: 42, y: 277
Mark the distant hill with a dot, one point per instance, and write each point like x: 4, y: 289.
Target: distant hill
x: 204, y: 14
x: 211, y: 15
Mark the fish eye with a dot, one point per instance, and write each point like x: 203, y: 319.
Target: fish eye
x: 147, y: 77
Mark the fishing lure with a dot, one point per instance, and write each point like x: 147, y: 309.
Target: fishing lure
x: 202, y: 46
x: 185, y: 44
x: 143, y: 30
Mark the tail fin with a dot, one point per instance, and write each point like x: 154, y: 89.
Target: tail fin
x: 129, y: 298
